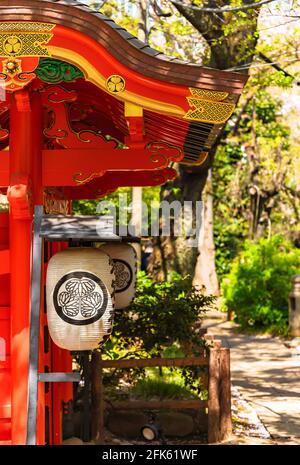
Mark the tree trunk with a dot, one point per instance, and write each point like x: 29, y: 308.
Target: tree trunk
x: 136, y: 213
x: 227, y: 50
x: 205, y: 270
x: 179, y: 252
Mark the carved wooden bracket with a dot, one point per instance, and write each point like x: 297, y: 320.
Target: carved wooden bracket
x: 55, y: 98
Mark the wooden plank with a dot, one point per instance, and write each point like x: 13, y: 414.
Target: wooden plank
x: 225, y: 395
x: 157, y: 404
x: 156, y: 362
x: 97, y: 417
x: 213, y: 396
x: 60, y: 227
x: 219, y: 396
x: 59, y: 377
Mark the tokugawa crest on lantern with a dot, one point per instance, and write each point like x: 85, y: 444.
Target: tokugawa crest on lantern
x: 125, y: 267
x: 80, y: 293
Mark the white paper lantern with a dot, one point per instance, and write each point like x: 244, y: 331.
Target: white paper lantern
x: 125, y: 267
x: 79, y: 292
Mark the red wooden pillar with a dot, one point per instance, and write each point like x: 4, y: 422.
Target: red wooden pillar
x: 24, y: 191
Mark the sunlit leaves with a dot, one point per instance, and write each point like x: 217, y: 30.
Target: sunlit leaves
x: 257, y: 287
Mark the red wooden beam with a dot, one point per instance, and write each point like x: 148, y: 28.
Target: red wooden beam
x: 113, y: 179
x: 73, y: 167
x: 62, y: 168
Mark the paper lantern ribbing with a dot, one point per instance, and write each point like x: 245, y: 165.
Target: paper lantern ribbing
x: 80, y: 293
x: 125, y: 266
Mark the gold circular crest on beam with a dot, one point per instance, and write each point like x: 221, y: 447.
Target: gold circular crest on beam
x: 12, y: 45
x: 115, y: 84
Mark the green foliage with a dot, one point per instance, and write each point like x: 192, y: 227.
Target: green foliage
x: 84, y: 207
x: 89, y: 207
x: 165, y: 384
x: 256, y: 152
x: 163, y: 319
x: 227, y: 243
x: 266, y: 110
x: 258, y: 284
x: 161, y: 314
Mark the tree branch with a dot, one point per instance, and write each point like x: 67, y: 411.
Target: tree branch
x: 225, y: 8
x: 277, y: 67
x: 98, y: 5
x: 159, y: 12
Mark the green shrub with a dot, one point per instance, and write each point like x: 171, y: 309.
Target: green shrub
x: 257, y: 287
x: 163, y: 318
x: 161, y: 314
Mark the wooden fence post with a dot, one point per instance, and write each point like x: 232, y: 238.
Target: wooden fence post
x: 225, y: 395
x: 219, y: 396
x: 97, y: 399
x: 213, y: 396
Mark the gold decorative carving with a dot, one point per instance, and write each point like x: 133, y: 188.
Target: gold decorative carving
x: 12, y: 45
x: 208, y: 94
x: 208, y: 111
x: 115, y: 84
x: 80, y: 181
x: 55, y: 202
x: 24, y: 39
x: 161, y: 151
x: 24, y: 26
x: 12, y: 78
x: 12, y: 66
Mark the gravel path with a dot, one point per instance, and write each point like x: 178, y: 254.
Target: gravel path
x: 266, y: 371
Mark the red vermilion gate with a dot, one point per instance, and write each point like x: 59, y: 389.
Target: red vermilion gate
x: 85, y: 108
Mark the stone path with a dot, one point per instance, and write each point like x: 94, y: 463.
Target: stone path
x: 267, y: 373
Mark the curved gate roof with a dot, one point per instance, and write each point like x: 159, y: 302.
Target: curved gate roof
x: 183, y: 103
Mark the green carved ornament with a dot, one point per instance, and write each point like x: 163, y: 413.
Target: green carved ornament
x: 54, y: 71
